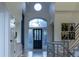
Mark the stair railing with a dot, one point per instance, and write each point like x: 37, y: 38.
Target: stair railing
x: 58, y: 49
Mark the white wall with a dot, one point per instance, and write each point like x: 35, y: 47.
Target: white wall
x: 63, y: 17
x: 8, y: 10
x: 2, y: 31
x: 68, y: 14
x: 15, y: 10
x: 7, y: 34
x: 51, y: 32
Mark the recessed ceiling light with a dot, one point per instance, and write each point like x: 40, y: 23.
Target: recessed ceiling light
x: 37, y: 6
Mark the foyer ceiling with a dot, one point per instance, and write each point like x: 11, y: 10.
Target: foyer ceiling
x: 48, y: 8
x: 67, y: 6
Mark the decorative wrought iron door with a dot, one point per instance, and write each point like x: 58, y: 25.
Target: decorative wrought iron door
x: 37, y: 38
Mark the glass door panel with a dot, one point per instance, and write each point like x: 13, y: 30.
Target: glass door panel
x: 37, y: 38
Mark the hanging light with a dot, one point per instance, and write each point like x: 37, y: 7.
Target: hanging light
x: 37, y: 6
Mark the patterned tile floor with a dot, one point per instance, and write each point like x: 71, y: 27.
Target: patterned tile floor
x: 37, y: 53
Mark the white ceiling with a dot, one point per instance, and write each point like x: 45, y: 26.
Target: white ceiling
x: 48, y: 10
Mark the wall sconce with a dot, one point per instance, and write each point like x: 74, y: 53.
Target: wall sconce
x: 12, y: 23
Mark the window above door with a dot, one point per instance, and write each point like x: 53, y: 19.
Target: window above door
x: 37, y: 23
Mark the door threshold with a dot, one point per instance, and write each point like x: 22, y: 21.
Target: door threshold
x: 37, y: 49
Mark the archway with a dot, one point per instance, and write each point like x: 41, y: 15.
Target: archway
x: 37, y: 35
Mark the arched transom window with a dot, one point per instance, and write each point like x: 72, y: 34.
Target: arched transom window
x: 37, y: 23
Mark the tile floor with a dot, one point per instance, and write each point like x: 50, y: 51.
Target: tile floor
x: 37, y: 53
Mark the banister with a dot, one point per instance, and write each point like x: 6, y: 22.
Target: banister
x: 60, y: 48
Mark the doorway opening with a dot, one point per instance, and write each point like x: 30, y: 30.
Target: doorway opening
x: 37, y: 37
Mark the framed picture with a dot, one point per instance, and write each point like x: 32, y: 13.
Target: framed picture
x: 71, y: 35
x: 68, y: 31
x: 65, y: 35
x: 72, y: 27
x: 64, y: 26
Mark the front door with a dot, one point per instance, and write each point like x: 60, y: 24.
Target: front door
x: 37, y: 38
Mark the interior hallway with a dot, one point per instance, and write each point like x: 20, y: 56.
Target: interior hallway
x: 39, y: 29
